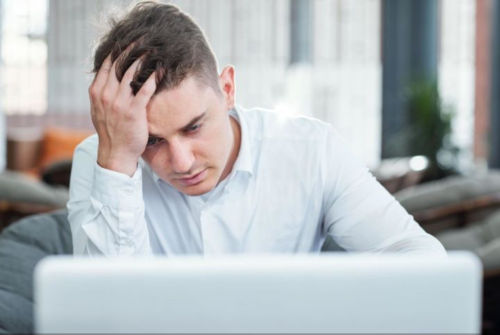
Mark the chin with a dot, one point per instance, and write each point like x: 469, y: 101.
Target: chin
x: 203, y: 187
x: 194, y: 192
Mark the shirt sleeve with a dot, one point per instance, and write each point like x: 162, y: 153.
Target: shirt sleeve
x: 105, y: 208
x: 360, y: 214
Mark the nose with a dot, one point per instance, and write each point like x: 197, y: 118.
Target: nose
x: 181, y: 158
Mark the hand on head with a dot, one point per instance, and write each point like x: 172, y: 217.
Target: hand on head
x: 119, y: 116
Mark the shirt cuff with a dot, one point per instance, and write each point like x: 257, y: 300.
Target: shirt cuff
x: 117, y: 190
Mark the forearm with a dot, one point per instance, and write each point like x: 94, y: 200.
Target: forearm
x: 106, y: 210
x: 378, y: 223
x: 99, y: 230
x: 416, y: 241
x: 362, y: 216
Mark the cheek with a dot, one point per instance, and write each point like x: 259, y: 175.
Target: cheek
x: 216, y: 145
x: 206, y: 151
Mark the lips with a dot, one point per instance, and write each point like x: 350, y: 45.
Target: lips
x: 195, y: 179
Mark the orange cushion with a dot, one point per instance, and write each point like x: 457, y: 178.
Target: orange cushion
x: 59, y: 144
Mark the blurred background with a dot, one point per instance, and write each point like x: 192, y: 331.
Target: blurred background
x: 350, y: 63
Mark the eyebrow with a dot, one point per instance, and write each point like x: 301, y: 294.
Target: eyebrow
x: 186, y: 127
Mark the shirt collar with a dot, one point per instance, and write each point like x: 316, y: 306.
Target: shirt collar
x: 244, y: 160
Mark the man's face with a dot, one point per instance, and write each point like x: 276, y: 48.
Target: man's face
x: 193, y: 142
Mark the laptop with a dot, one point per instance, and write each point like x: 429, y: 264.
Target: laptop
x: 326, y: 293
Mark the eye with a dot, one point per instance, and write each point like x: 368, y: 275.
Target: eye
x: 152, y: 140
x: 193, y: 128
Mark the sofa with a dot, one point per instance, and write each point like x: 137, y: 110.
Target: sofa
x: 21, y: 195
x: 22, y: 245
x: 453, y: 202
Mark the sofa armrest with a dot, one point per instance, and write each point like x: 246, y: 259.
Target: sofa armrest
x: 57, y: 173
x: 460, y: 210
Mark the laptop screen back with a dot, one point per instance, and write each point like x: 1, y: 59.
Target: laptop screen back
x: 355, y: 293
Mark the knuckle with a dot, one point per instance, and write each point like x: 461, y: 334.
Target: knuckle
x: 117, y: 106
x: 106, y: 98
x: 93, y: 93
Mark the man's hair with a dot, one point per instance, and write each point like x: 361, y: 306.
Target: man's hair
x: 168, y: 42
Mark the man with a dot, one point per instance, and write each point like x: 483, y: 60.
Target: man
x: 176, y: 168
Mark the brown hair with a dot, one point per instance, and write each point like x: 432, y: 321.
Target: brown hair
x: 168, y: 42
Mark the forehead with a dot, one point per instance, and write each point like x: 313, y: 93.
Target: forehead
x: 175, y: 107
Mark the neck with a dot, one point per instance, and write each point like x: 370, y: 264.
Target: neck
x: 236, y: 140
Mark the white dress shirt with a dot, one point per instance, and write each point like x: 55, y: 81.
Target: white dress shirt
x: 293, y: 183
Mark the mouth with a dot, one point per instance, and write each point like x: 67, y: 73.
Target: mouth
x: 195, y: 179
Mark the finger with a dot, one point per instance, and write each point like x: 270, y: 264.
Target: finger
x: 147, y: 90
x: 112, y: 83
x: 125, y: 91
x: 102, y: 75
x: 96, y: 87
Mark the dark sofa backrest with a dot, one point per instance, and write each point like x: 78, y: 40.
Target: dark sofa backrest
x: 22, y: 245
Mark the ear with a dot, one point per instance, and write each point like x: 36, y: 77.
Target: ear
x: 226, y: 84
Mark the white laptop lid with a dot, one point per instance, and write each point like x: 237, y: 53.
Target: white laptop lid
x: 331, y: 293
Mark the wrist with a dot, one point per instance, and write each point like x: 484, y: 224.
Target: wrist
x: 125, y: 165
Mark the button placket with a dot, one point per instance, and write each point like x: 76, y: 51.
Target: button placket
x: 203, y: 228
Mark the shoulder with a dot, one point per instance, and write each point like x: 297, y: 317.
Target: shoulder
x: 271, y: 124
